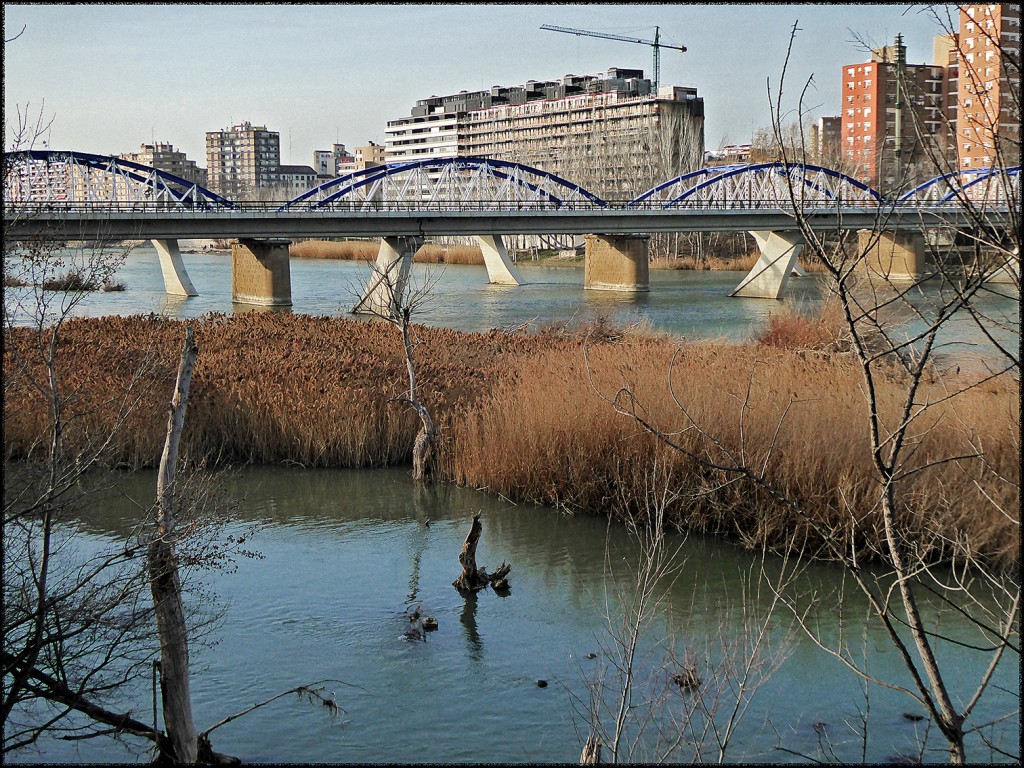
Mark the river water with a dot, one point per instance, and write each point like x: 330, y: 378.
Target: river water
x: 691, y: 304
x: 346, y: 554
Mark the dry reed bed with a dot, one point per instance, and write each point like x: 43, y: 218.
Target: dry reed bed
x: 548, y: 434
x: 523, y: 415
x: 266, y: 388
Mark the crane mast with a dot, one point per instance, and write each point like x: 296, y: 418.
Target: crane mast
x: 655, y: 43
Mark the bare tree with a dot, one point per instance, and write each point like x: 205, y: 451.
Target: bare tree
x: 84, y: 619
x: 74, y: 624
x: 894, y: 331
x: 660, y: 697
x: 390, y: 297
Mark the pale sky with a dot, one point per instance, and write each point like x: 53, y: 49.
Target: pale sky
x: 115, y: 76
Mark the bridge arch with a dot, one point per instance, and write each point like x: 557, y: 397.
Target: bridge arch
x: 991, y: 186
x: 446, y: 183
x: 758, y: 185
x: 84, y: 179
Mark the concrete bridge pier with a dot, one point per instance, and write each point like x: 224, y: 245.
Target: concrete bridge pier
x: 500, y: 269
x: 893, y: 255
x: 1008, y: 272
x: 616, y: 263
x: 389, y: 276
x: 176, y: 279
x: 260, y: 272
x: 768, y: 278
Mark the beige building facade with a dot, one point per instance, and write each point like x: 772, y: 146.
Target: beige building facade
x: 164, y: 157
x: 608, y: 133
x: 242, y: 160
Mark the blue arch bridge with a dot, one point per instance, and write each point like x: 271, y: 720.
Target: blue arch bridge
x: 64, y: 195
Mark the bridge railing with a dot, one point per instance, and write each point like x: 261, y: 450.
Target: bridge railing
x: 188, y: 209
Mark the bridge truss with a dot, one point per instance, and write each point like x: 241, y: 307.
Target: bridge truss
x: 80, y: 180
x: 758, y: 185
x: 990, y: 187
x: 461, y: 183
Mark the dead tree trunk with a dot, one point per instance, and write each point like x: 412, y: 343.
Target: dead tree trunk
x: 424, y: 449
x: 474, y: 578
x: 165, y: 583
x: 591, y: 751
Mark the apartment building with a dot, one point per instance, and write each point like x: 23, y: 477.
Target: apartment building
x: 370, y: 156
x: 328, y: 162
x: 607, y: 132
x: 293, y: 180
x: 826, y: 140
x: 164, y: 157
x: 945, y: 53
x: 893, y: 113
x: 242, y: 159
x: 988, y: 111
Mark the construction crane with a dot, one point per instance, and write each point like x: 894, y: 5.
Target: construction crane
x: 656, y: 43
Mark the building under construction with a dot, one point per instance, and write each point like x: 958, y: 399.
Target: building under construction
x: 607, y: 132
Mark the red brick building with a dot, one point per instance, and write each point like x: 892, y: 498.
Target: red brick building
x: 963, y: 110
x: 882, y: 123
x: 988, y: 116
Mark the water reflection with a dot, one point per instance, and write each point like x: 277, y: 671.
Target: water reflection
x: 468, y: 620
x: 242, y: 308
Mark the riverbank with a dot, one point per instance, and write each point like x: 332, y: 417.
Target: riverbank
x: 433, y: 253
x: 526, y: 415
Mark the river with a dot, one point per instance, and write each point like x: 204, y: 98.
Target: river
x: 345, y: 554
x: 690, y: 304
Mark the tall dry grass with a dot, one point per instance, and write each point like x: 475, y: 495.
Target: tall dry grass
x: 364, y: 250
x: 545, y: 434
x: 522, y: 415
x: 267, y: 387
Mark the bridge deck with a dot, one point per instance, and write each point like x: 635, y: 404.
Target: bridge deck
x: 43, y: 222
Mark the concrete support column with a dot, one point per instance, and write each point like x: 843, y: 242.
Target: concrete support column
x: 616, y: 263
x: 768, y: 278
x: 389, y: 276
x: 260, y: 273
x: 894, y: 255
x: 176, y: 279
x: 500, y: 269
x: 1008, y: 272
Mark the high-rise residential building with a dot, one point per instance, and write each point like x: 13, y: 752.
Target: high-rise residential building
x: 242, y: 159
x: 945, y: 54
x: 988, y: 91
x: 892, y: 112
x: 825, y: 140
x: 607, y: 132
x: 164, y: 157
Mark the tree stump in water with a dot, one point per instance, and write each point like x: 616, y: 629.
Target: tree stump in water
x: 473, y: 578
